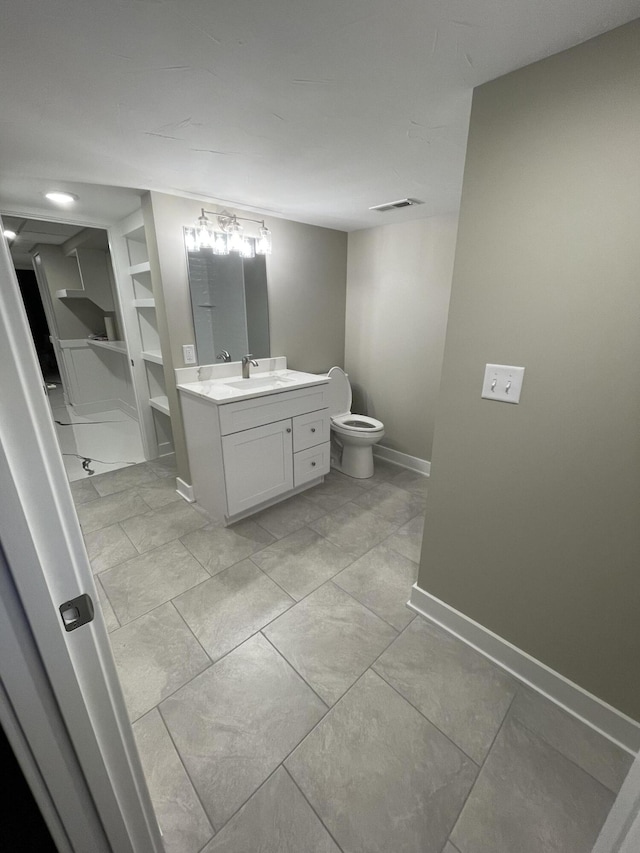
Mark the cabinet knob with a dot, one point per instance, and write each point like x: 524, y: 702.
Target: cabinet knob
x: 288, y: 429
x: 313, y: 464
x: 313, y: 429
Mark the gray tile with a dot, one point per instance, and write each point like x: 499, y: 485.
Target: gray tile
x: 383, y: 471
x: 382, y: 580
x: 83, y: 491
x: 330, y: 640
x: 407, y: 540
x: 605, y: 761
x: 140, y: 584
x: 531, y: 799
x: 459, y: 690
x: 288, y: 516
x: 155, y: 655
x: 107, y: 547
x: 353, y: 528
x: 226, y: 609
x: 380, y: 776
x: 122, y: 479
x: 164, y: 466
x: 449, y: 848
x: 392, y: 503
x: 218, y: 547
x: 302, y: 561
x: 236, y: 722
x: 277, y: 819
x: 336, y: 490
x: 184, y: 824
x: 161, y: 525
x: 105, y: 511
x: 412, y: 481
x: 110, y: 618
x: 159, y: 492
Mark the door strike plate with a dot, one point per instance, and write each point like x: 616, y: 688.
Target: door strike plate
x: 77, y: 612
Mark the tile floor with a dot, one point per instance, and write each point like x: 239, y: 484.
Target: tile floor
x: 285, y: 700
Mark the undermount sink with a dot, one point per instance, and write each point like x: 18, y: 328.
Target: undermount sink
x: 259, y: 382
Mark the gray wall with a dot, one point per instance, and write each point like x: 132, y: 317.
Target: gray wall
x: 532, y: 523
x: 306, y: 278
x: 398, y: 286
x: 76, y: 318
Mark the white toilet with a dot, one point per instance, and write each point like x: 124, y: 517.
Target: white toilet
x: 352, y: 436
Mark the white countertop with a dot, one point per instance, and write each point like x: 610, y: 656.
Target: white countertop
x: 233, y: 388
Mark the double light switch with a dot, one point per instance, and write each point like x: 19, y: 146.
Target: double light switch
x: 502, y: 382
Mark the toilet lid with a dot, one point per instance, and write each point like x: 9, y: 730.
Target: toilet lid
x: 339, y: 393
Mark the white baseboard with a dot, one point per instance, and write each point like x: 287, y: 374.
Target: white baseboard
x: 605, y: 719
x: 184, y: 490
x: 85, y: 410
x: 413, y: 463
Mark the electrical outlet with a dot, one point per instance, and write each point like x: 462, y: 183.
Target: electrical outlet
x: 189, y: 353
x: 503, y: 383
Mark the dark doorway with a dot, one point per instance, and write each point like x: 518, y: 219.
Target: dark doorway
x: 38, y: 325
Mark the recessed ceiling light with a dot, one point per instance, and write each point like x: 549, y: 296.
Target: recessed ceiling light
x: 58, y: 197
x: 10, y: 235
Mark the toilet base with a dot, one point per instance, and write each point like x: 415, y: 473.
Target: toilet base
x: 352, y: 460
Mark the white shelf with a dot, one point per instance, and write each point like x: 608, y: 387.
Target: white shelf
x: 114, y: 346
x: 71, y: 294
x: 160, y: 404
x: 154, y: 357
x: 135, y: 269
x: 144, y: 303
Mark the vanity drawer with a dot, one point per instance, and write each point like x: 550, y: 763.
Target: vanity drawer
x: 311, y: 429
x: 311, y: 463
x: 270, y: 408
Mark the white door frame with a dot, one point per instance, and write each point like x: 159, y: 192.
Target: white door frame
x: 47, y: 561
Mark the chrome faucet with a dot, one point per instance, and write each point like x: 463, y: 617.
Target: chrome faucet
x: 247, y: 361
x: 225, y: 355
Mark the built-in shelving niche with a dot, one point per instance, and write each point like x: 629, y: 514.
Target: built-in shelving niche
x: 144, y: 341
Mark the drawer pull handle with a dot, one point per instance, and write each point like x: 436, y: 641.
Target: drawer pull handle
x: 313, y: 464
x: 313, y: 429
x: 288, y: 429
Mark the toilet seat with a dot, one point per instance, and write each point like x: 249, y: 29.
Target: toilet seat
x: 357, y: 423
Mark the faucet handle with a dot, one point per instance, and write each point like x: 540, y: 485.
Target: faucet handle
x: 249, y: 359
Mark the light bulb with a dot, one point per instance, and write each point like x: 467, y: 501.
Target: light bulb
x: 235, y: 240
x: 10, y: 235
x: 220, y: 244
x: 263, y: 243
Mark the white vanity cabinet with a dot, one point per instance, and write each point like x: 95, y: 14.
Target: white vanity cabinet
x: 247, y: 454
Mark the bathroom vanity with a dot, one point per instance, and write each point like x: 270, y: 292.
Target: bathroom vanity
x: 257, y: 441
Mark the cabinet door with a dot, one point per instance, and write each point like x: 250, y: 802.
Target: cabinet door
x: 258, y: 465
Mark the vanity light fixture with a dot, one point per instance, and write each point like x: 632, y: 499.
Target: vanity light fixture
x: 229, y: 238
x: 58, y: 197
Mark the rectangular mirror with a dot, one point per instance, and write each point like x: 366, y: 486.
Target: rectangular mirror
x: 229, y: 305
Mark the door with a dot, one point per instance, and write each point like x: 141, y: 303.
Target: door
x: 258, y: 465
x: 47, y: 565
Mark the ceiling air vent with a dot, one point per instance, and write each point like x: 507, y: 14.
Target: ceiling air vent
x: 396, y: 205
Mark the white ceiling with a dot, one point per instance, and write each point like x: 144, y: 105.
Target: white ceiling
x: 310, y: 110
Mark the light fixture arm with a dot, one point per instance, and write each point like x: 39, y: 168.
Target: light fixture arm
x: 226, y: 219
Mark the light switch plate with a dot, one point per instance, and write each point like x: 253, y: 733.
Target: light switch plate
x: 502, y: 382
x: 189, y: 353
